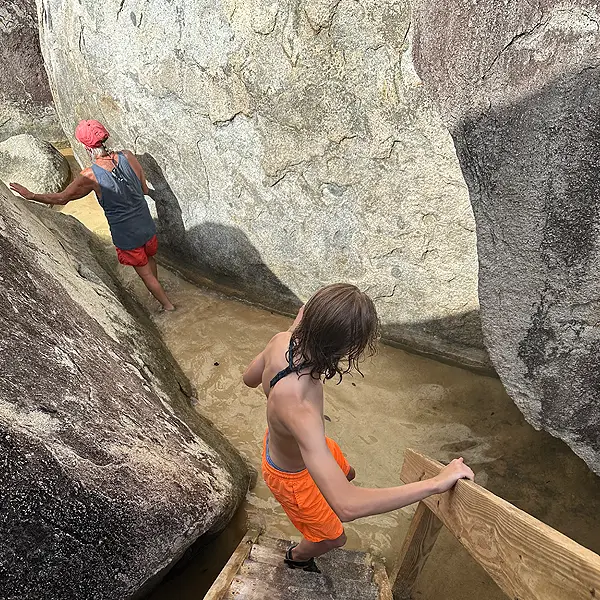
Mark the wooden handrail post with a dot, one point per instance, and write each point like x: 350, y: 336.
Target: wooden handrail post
x: 526, y: 558
x: 419, y: 541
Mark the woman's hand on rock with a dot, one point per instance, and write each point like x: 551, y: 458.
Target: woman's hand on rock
x: 23, y: 191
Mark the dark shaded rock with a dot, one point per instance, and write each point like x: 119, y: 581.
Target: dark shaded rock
x: 518, y: 85
x: 26, y: 104
x: 107, y: 474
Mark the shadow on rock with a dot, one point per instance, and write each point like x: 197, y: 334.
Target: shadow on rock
x: 171, y: 228
x: 456, y: 339
x: 226, y: 255
x: 222, y: 254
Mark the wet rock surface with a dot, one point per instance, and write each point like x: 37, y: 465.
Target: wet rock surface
x: 518, y: 89
x: 26, y: 104
x: 290, y: 145
x: 107, y: 474
x: 34, y: 163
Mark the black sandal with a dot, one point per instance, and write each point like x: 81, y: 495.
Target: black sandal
x: 306, y: 565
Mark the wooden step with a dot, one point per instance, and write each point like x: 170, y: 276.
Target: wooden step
x: 258, y: 580
x: 282, y: 545
x: 256, y: 571
x: 354, y: 565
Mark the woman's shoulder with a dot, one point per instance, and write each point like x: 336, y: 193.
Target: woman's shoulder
x: 131, y: 159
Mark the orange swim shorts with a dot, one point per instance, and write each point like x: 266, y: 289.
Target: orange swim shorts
x: 301, y: 499
x: 138, y: 257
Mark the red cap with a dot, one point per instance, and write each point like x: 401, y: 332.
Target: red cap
x: 91, y: 133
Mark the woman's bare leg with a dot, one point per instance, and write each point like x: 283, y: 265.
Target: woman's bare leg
x: 151, y: 282
x: 153, y: 266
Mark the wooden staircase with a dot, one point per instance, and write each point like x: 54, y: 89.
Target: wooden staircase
x: 526, y: 558
x: 256, y: 571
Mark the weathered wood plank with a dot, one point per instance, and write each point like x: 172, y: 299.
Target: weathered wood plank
x: 419, y: 541
x: 381, y: 580
x: 332, y: 565
x: 526, y: 558
x: 221, y: 585
x: 248, y: 588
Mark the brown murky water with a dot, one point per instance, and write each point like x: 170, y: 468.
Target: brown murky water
x: 403, y: 401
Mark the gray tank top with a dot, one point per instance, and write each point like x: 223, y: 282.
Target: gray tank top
x: 124, y: 205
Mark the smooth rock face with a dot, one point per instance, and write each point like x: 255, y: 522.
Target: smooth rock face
x: 107, y: 474
x: 291, y: 146
x: 33, y: 163
x: 518, y: 88
x: 26, y: 104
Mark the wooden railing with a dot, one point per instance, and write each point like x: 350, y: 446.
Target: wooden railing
x: 526, y: 558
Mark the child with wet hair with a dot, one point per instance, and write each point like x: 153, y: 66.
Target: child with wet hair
x: 304, y: 469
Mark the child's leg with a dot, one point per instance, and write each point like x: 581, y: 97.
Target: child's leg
x: 306, y: 550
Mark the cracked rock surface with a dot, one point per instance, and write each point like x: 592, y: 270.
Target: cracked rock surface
x: 26, y: 104
x: 107, y: 474
x: 290, y: 145
x: 519, y: 91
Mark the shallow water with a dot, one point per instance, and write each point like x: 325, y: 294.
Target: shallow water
x: 403, y: 401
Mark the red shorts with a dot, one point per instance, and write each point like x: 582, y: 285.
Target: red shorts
x: 138, y: 257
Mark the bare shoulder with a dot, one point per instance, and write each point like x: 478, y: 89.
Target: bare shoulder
x: 280, y: 341
x: 301, y: 409
x: 131, y: 157
x: 300, y: 392
x: 281, y: 337
x: 88, y: 173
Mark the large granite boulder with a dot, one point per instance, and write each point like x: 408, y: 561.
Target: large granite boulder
x: 26, y: 104
x: 518, y: 85
x: 291, y: 146
x: 34, y: 163
x: 107, y: 473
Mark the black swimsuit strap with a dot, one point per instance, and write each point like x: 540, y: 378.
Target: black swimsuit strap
x: 289, y: 369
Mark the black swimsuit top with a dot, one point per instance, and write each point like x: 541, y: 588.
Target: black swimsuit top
x: 289, y: 369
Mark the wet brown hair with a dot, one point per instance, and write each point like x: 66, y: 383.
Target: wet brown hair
x: 338, y: 329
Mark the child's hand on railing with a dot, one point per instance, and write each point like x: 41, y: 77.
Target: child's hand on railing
x: 449, y: 475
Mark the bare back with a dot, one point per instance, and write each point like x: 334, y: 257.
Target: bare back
x: 290, y: 394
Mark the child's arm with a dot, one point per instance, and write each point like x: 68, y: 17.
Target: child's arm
x: 348, y: 501
x: 254, y: 371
